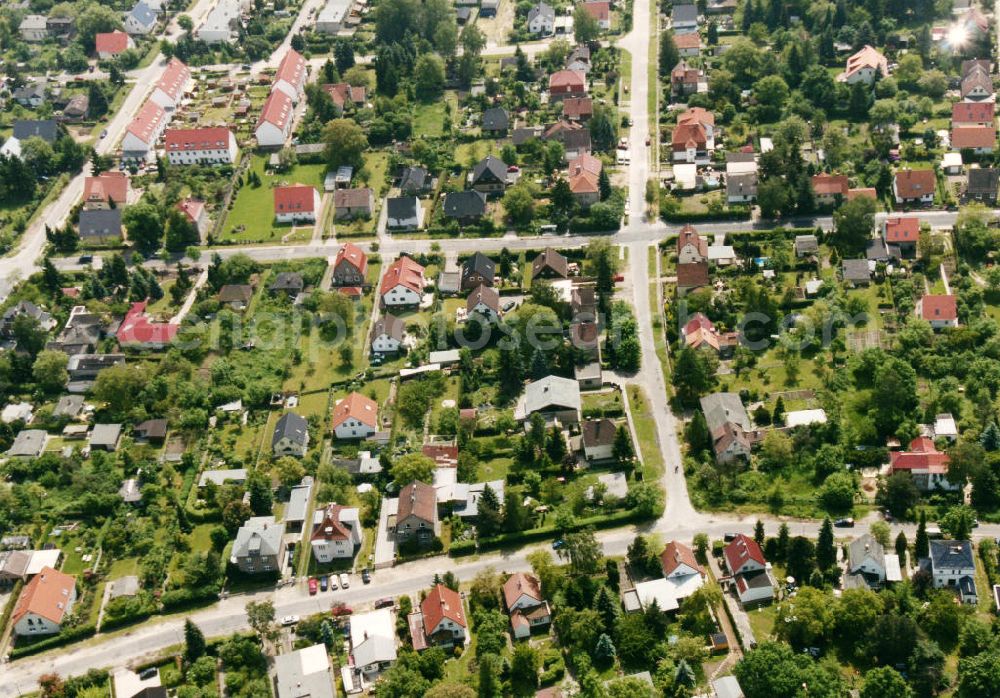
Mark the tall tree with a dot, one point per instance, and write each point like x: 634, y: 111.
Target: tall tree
x: 490, y: 517
x: 194, y: 641
x: 826, y: 551
x: 922, y: 546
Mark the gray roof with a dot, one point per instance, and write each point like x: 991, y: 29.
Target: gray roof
x: 541, y: 9
x: 27, y: 308
x: 415, y: 179
x: 856, y: 270
x: 298, y: 500
x: 68, y: 406
x: 727, y: 687
x: 287, y: 281
x: 484, y: 294
x: 464, y: 204
x: 490, y: 167
x: 402, y: 207
x: 983, y: 181
x: 292, y: 426
x: 526, y: 133
x: 123, y: 586
x: 130, y: 491
x: 806, y: 243
x: 862, y: 547
x: 481, y: 264
x: 740, y: 156
x: 28, y: 442
x: 952, y: 554
x: 47, y: 130
x: 30, y: 91
x: 496, y: 119
x: 105, y: 435
x: 390, y: 325
x: 551, y: 391
x: 259, y: 534
x: 742, y: 184
x: 143, y: 14
x: 684, y: 13
x: 723, y: 408
x: 599, y: 432
x: 305, y: 673
x: 221, y: 476
x: 101, y: 223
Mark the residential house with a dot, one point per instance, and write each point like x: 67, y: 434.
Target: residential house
x: 237, y: 476
x: 334, y: 16
x: 699, y: 332
x: 567, y: 83
x: 495, y: 121
x: 105, y: 437
x: 48, y: 130
x: 478, y: 270
x: 110, y: 44
x: 579, y: 59
x: 750, y: 571
x: 973, y: 114
x: 151, y: 431
x: 141, y: 20
x: 33, y: 95
x: 416, y: 514
x: 829, y: 189
x: 864, y: 66
x: 296, y: 203
x: 441, y: 621
x: 953, y: 565
x: 977, y: 84
x: 355, y: 417
x: 415, y: 181
x: 336, y: 533
x: 291, y: 75
x: 26, y: 309
x: 77, y: 109
x: 866, y: 560
x: 236, y: 296
x: 684, y: 19
x: 220, y: 25
x: 741, y: 188
x: 34, y: 28
x: 387, y: 334
x: 169, y: 89
x: 373, y: 642
x: 939, y: 310
x: 144, y: 131
x: 200, y: 146
x: 289, y: 283
x: 902, y: 232
x: 730, y: 426
x: 275, y: 123
x: 688, y: 45
x: 291, y: 436
x: 350, y: 267
x: 553, y: 397
x: 693, y: 138
x: 403, y: 283
x: 305, y: 673
x: 585, y: 179
x: 856, y: 272
x: 489, y: 176
x: 578, y: 108
x: 691, y: 247
x: 86, y: 367
x: 44, y: 603
x: 353, y: 203
x: 259, y: 546
x: 345, y: 95
x: 983, y: 184
x: 692, y: 275
x: 105, y: 189
x: 549, y: 264
x: 100, y: 226
x: 69, y: 406
x: 927, y: 465
x: 527, y: 607
x: 196, y: 212
x: 727, y: 687
x: 685, y: 79
x: 541, y: 19
x: 466, y: 207
x: 678, y: 561
x: 483, y: 301
x: 598, y: 439
x: 29, y: 443
x: 806, y: 245
x: 981, y: 140
x: 600, y: 11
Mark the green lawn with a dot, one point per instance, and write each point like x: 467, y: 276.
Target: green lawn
x: 645, y: 429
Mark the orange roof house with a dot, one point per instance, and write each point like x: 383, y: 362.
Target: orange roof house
x: 97, y: 191
x: 44, y: 603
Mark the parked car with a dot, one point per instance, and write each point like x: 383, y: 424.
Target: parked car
x: 104, y: 133
x: 333, y: 582
x: 844, y: 523
x: 558, y: 544
x: 289, y: 620
x: 324, y: 583
x: 313, y: 586
x: 385, y: 602
x: 345, y: 581
x: 729, y: 537
x: 366, y: 576
x: 85, y: 259
x: 508, y: 306
x: 340, y: 609
x: 148, y: 673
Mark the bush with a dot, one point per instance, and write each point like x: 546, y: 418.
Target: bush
x: 66, y: 637
x: 176, y: 599
x: 733, y: 213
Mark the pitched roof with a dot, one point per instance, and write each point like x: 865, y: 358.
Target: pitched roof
x: 230, y: 293
x: 686, y: 135
x: 491, y: 165
x: 972, y: 112
x: 951, y: 554
x: 541, y: 9
x: 414, y: 179
x: 551, y: 391
x: 922, y: 455
x: 584, y: 183
x: 292, y: 68
x: 402, y: 207
x: 856, y: 269
x: 417, y: 499
x: 741, y: 550
x: 684, y: 13
x: 480, y: 264
x: 442, y: 603
x: 296, y: 198
x: 692, y: 274
x: 287, y: 281
x: 331, y: 527
x: 356, y: 406
x: 902, y: 229
x: 601, y: 11
x: 938, y: 307
x: 46, y: 129
x: 913, y: 184
x: 147, y: 121
x: 484, y: 294
x: 277, y: 110
x: 578, y: 106
x: 977, y: 80
x: 519, y: 584
x: 584, y: 163
x: 687, y: 41
x: 825, y: 184
x: 107, y: 185
x: 188, y: 139
x: 598, y: 432
x: 862, y: 547
x: 389, y: 325
x: 291, y: 426
x: 353, y: 255
x: 111, y: 42
x: 341, y: 93
x: 260, y: 535
x: 100, y: 223
x: 47, y: 595
x: 143, y: 14
x: 173, y: 79
x: 867, y: 57
x: 744, y: 184
x: 689, y: 236
x: 983, y: 181
x: 973, y: 137
x: 192, y: 208
x: 676, y: 554
x: 572, y: 79
x: 152, y: 428
x: 464, y: 204
x: 352, y: 198
x: 403, y: 272
x: 550, y: 259
x: 138, y: 328
x: 495, y: 119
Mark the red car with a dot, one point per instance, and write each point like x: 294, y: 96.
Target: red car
x: 313, y: 586
x: 383, y: 603
x: 340, y: 609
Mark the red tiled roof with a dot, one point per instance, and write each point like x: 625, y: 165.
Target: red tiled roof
x: 687, y: 41
x: 935, y: 307
x: 354, y: 255
x: 698, y: 321
x: 601, y: 11
x: 867, y: 57
x: 342, y: 93
x: 914, y: 184
x: 868, y: 192
x: 405, y: 272
x: 188, y: 139
x: 584, y: 163
x: 113, y: 185
x: 147, y: 121
x: 277, y: 110
x: 692, y: 275
x: 676, y: 554
x: 829, y: 185
x: 46, y: 595
x: 520, y: 583
x: 686, y: 135
x: 358, y: 406
x: 697, y: 115
x: 922, y: 456
x: 690, y: 236
x: 584, y: 183
x: 902, y: 229
x: 567, y: 80
x: 173, y: 79
x: 972, y: 112
x: 740, y: 550
x: 443, y: 455
x: 578, y: 106
x: 192, y: 208
x: 138, y: 328
x: 330, y: 528
x: 111, y: 42
x: 973, y: 137
x: 439, y: 604
x: 417, y: 499
x: 292, y: 68
x: 297, y: 198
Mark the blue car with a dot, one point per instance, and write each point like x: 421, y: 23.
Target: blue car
x: 557, y: 544
x: 323, y: 583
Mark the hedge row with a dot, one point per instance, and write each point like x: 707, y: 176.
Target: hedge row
x: 729, y: 214
x: 66, y: 637
x: 112, y: 623
x: 534, y: 535
x: 179, y: 598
